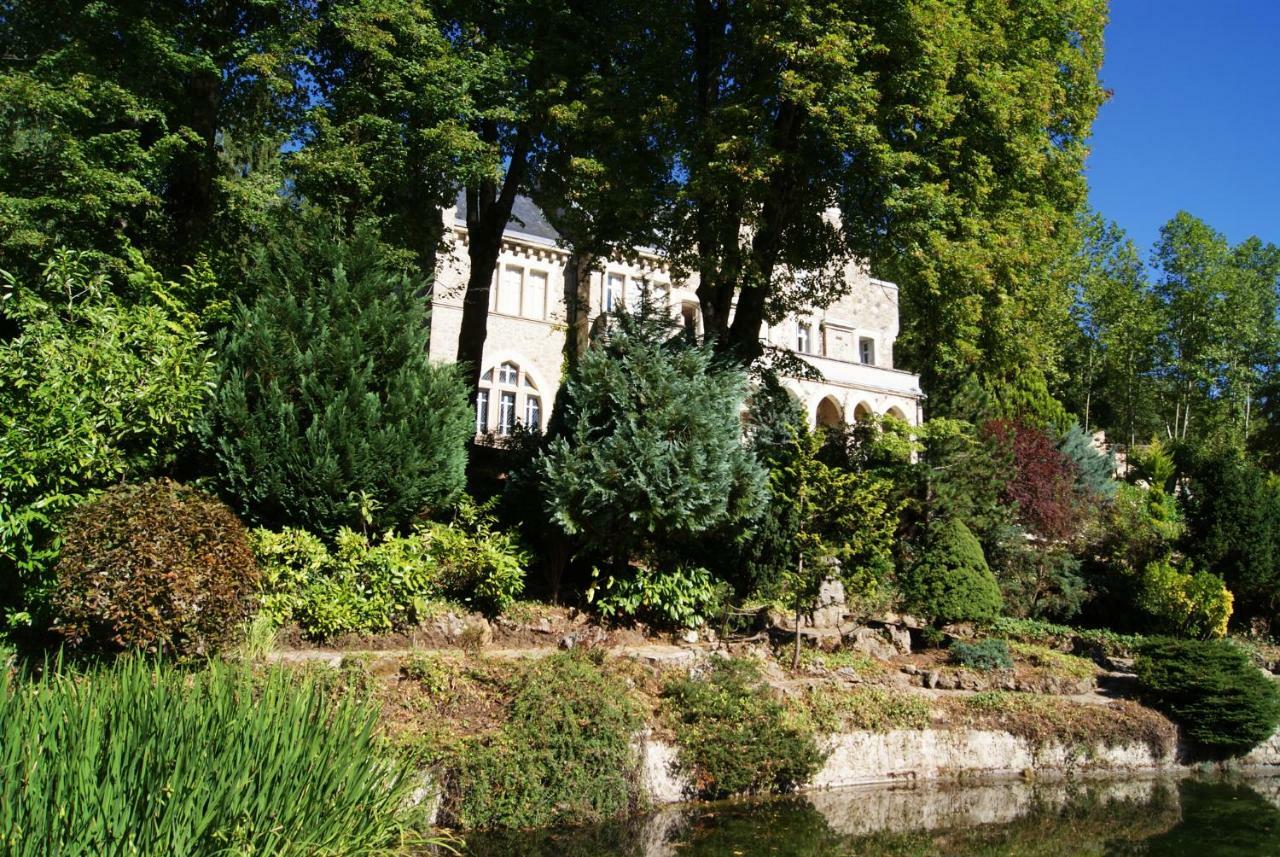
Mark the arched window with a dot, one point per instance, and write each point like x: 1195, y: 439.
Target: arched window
x: 862, y: 412
x: 507, y: 396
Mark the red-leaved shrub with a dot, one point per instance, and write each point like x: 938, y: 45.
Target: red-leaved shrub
x: 159, y: 567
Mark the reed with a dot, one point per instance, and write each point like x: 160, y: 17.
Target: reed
x: 137, y: 758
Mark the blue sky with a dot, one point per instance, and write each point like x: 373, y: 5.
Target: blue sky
x: 1194, y: 119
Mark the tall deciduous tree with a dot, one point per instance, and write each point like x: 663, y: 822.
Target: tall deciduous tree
x: 142, y: 119
x: 939, y: 141
x: 391, y: 134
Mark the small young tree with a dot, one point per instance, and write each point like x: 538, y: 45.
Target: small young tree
x: 651, y: 455
x: 328, y: 412
x: 951, y: 581
x: 845, y: 522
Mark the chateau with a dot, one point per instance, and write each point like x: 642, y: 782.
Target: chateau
x: 850, y: 343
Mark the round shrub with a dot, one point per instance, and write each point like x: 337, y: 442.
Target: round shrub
x: 951, y: 581
x: 1222, y: 701
x: 157, y: 566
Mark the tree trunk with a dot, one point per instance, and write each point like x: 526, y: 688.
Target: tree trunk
x: 795, y: 656
x: 488, y: 211
x: 577, y: 302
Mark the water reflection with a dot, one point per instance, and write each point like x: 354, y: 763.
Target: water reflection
x: 1116, y: 819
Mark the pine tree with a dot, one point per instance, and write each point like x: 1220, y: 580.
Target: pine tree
x: 329, y: 412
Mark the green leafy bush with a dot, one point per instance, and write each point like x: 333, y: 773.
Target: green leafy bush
x: 1222, y: 701
x: 734, y: 738
x: 986, y: 655
x: 94, y: 390
x: 564, y: 756
x: 1194, y: 605
x: 674, y: 598
x: 143, y: 759
x: 159, y: 567
x: 871, y: 708
x: 951, y: 581
x: 366, y: 585
x: 329, y: 412
x: 479, y: 563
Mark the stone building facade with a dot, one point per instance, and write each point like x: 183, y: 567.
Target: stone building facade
x: 849, y: 343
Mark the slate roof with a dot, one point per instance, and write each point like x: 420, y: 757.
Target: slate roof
x: 526, y: 218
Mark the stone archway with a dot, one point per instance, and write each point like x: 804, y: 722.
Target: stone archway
x: 862, y: 412
x: 829, y: 413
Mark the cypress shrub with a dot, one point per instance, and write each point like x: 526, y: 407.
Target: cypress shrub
x: 328, y: 412
x: 157, y: 566
x: 951, y: 582
x: 1223, y: 702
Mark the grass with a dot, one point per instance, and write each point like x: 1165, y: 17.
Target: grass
x: 1053, y: 662
x: 873, y: 709
x: 139, y: 758
x: 1091, y: 641
x: 1044, y: 719
x: 863, y: 664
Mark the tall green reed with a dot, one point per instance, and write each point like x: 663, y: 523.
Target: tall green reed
x: 138, y: 758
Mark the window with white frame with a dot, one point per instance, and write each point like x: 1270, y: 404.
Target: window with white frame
x: 804, y: 338
x: 535, y: 295
x: 867, y: 350
x: 507, y: 395
x: 614, y: 292
x: 509, y: 289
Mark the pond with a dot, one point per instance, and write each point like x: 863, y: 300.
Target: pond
x: 1156, y: 817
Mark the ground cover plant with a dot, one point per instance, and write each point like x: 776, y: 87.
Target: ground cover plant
x: 564, y: 753
x: 1223, y: 703
x: 985, y: 655
x: 733, y: 736
x: 139, y: 758
x: 876, y: 709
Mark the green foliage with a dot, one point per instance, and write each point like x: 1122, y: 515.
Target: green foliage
x: 142, y: 759
x: 564, y: 756
x: 875, y: 709
x: 158, y: 567
x: 682, y: 597
x: 1054, y: 662
x: 1191, y: 604
x: 951, y: 581
x: 370, y: 585
x: 94, y: 390
x: 985, y: 655
x: 1232, y: 510
x: 157, y: 122
x: 651, y: 456
x: 1092, y: 641
x: 1095, y: 470
x: 734, y: 738
x: 1222, y: 701
x: 329, y: 412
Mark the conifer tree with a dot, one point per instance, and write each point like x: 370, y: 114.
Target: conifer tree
x: 329, y: 412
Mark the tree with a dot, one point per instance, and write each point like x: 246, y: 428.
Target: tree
x: 328, y: 411
x: 1219, y: 305
x: 951, y: 581
x: 1112, y: 368
x: 844, y: 526
x: 146, y: 120
x: 390, y: 135
x: 94, y: 390
x: 1232, y: 510
x: 651, y: 455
